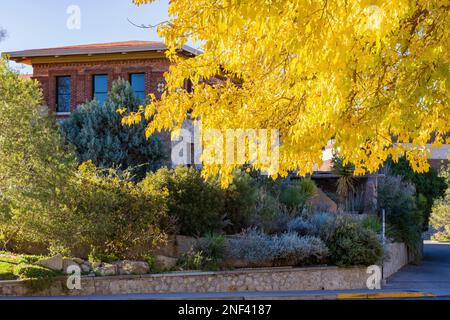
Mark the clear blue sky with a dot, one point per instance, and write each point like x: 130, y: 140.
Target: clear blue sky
x: 35, y: 24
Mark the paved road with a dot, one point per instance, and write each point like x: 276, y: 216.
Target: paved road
x: 432, y: 273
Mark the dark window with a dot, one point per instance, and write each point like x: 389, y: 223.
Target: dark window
x: 188, y: 85
x: 100, y: 88
x: 137, y: 81
x: 63, y: 94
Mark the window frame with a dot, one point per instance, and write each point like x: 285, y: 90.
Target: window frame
x: 57, y: 94
x: 130, y: 79
x: 94, y: 89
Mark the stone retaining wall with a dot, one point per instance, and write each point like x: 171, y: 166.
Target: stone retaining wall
x: 398, y: 256
x: 269, y: 279
x: 397, y: 259
x: 273, y: 279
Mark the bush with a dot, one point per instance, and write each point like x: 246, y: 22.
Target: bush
x: 430, y: 184
x: 112, y: 215
x: 295, y: 195
x: 259, y: 249
x: 403, y: 218
x: 196, y: 204
x: 192, y: 260
x: 30, y: 259
x: 208, y: 254
x: 98, y: 135
x: 240, y: 202
x: 292, y: 250
x: 372, y: 222
x: 351, y: 244
x: 440, y: 216
x: 301, y: 226
x: 214, y: 247
x: 350, y: 241
x: 35, y: 164
x: 254, y: 247
x: 270, y: 215
x: 101, y: 256
x: 323, y: 225
x: 29, y: 271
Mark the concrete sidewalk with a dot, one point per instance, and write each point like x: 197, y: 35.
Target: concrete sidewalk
x: 433, y: 272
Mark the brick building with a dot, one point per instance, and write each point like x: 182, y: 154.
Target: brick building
x: 70, y: 76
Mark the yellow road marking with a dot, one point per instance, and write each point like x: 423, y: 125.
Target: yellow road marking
x: 384, y: 295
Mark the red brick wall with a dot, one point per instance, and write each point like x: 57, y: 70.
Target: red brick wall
x: 81, y: 75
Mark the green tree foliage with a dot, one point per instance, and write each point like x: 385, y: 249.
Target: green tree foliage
x: 440, y: 216
x: 35, y: 164
x: 429, y: 184
x: 98, y: 135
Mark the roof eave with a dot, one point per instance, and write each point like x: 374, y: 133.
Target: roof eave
x: 27, y: 54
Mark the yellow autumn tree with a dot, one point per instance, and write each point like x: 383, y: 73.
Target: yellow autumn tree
x: 373, y: 76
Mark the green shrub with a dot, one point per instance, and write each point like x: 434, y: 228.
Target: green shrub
x: 323, y: 225
x: 440, y: 216
x: 37, y: 278
x: 196, y: 204
x: 96, y: 256
x: 112, y: 215
x: 98, y: 135
x: 192, y: 260
x: 351, y: 244
x: 35, y: 164
x: 29, y: 271
x: 372, y: 222
x: 270, y: 215
x: 430, y: 184
x: 214, y: 247
x: 240, y: 202
x: 30, y: 259
x: 150, y: 258
x: 403, y: 218
x: 45, y: 200
x: 350, y: 241
x: 295, y: 195
x: 208, y: 254
x: 346, y: 182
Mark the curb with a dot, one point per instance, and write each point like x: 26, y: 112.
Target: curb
x: 385, y: 295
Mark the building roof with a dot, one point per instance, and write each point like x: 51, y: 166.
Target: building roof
x: 25, y: 76
x: 97, y: 48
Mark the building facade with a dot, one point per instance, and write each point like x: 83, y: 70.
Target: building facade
x: 71, y: 76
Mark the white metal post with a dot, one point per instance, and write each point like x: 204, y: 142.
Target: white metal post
x: 383, y: 212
